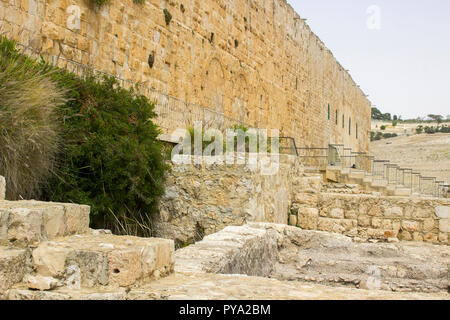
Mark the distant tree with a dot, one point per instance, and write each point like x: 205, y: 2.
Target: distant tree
x: 395, y: 118
x: 419, y: 129
x: 387, y: 117
x: 436, y: 117
x: 378, y: 115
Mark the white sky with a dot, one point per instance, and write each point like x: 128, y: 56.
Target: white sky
x: 404, y: 66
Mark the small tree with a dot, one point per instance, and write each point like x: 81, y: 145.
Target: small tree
x: 436, y: 117
x: 419, y: 129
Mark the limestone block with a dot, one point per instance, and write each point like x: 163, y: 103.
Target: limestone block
x: 13, y: 266
x: 125, y: 267
x: 421, y: 213
x: 54, y: 222
x: 337, y: 213
x: 430, y: 237
x: 429, y: 224
x: 40, y: 283
x: 417, y: 236
x: 103, y: 259
x: 443, y: 237
x: 308, y: 218
x: 25, y: 225
x: 308, y: 199
x: 2, y: 188
x: 444, y: 225
x: 443, y: 212
x: 330, y: 225
x: 375, y: 233
x: 410, y: 225
x: 393, y: 212
x: 50, y: 261
x: 76, y: 219
x: 376, y: 223
x: 364, y: 221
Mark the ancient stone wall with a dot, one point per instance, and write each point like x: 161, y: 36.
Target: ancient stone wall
x: 373, y: 217
x: 254, y: 60
x: 203, y: 199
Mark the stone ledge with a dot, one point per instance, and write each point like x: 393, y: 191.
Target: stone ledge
x: 27, y: 222
x: 103, y: 260
x: 240, y: 250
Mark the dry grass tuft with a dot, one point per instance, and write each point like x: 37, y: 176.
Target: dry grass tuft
x: 29, y: 137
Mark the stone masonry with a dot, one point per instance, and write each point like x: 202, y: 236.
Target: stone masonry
x: 256, y: 61
x: 202, y: 199
x: 373, y: 217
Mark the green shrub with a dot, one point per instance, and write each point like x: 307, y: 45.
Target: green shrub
x: 383, y: 127
x: 29, y: 138
x: 112, y: 159
x: 419, y: 129
x: 389, y: 135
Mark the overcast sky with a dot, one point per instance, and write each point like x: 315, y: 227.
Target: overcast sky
x: 401, y: 60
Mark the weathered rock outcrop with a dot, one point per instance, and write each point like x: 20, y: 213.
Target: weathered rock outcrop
x: 290, y: 253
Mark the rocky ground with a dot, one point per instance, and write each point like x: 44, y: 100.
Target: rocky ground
x: 282, y: 262
x: 427, y: 153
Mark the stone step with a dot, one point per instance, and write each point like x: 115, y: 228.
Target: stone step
x: 356, y: 174
x: 103, y: 260
x: 14, y: 264
x: 402, y: 192
x: 27, y: 222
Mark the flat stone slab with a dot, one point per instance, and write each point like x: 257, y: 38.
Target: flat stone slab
x: 103, y: 260
x: 27, y: 222
x: 241, y: 250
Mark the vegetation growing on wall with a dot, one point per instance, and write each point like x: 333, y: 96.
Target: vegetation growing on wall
x: 167, y: 16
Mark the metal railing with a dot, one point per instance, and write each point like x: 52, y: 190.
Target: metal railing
x: 385, y: 173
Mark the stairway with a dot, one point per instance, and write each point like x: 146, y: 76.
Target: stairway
x: 46, y: 246
x: 366, y: 182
